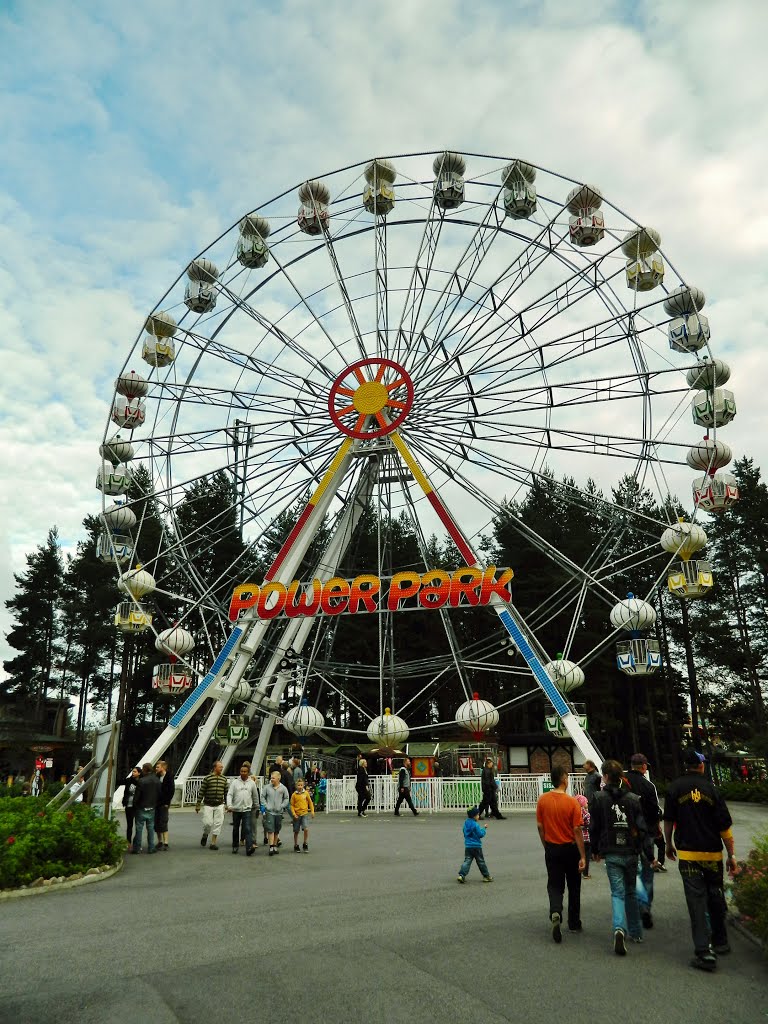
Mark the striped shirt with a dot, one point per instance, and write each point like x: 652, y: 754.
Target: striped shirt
x: 213, y: 790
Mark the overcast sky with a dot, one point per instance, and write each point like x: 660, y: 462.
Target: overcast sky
x: 133, y: 134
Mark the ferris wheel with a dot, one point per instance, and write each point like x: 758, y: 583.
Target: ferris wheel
x: 426, y: 335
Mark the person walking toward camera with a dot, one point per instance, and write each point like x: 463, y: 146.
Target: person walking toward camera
x: 242, y: 794
x: 558, y: 819
x: 490, y: 787
x: 212, y: 798
x: 617, y: 829
x: 276, y: 800
x: 697, y: 824
x: 301, y: 808
x: 473, y: 833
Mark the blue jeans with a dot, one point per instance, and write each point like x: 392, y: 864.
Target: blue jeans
x: 474, y: 853
x: 241, y: 825
x: 144, y: 816
x: 622, y: 876
x: 644, y: 887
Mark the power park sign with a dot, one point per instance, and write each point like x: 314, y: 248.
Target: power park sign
x: 436, y: 588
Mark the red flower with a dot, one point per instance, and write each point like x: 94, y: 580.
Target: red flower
x: 41, y: 814
x: 11, y: 840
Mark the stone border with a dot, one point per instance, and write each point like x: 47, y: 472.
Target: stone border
x: 54, y: 885
x: 734, y: 921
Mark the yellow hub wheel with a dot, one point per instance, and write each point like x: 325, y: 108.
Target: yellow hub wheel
x: 370, y: 398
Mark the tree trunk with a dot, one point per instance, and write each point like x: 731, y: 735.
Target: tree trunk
x: 693, y: 686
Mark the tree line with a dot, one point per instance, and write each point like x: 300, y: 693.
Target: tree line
x: 714, y: 649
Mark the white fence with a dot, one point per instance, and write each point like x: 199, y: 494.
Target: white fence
x: 516, y: 792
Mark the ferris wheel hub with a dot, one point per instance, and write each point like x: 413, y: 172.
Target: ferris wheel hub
x: 370, y: 398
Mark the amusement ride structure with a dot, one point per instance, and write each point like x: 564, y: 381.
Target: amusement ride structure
x: 427, y: 336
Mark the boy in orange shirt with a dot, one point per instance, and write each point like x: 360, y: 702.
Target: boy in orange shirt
x: 558, y: 819
x: 301, y: 808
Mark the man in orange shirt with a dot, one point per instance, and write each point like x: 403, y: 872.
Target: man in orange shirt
x: 558, y: 819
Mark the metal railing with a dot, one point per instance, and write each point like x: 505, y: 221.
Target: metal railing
x: 516, y: 792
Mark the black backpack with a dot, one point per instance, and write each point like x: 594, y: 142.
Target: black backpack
x: 624, y: 827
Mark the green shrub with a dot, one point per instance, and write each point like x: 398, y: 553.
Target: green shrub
x: 37, y: 843
x: 750, y: 890
x: 751, y: 792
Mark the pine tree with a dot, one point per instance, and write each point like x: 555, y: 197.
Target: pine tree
x: 38, y: 628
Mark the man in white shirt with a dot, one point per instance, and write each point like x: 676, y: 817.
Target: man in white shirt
x: 242, y: 794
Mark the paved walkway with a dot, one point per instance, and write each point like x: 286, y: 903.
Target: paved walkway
x: 369, y: 928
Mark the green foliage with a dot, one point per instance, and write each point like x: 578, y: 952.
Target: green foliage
x: 38, y: 843
x: 746, y: 792
x: 750, y: 890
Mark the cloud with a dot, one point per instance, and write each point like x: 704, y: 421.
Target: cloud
x: 133, y: 136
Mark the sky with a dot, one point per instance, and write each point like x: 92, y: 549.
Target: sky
x: 134, y: 134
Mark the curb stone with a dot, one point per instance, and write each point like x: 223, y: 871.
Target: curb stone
x: 735, y: 922
x: 63, y: 882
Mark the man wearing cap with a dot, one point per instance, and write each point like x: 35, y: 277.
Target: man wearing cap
x: 696, y: 813
x: 558, y: 819
x: 640, y: 784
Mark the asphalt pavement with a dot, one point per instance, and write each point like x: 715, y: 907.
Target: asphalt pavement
x: 369, y: 926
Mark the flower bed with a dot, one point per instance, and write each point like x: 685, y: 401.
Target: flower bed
x: 750, y: 890
x: 37, y: 844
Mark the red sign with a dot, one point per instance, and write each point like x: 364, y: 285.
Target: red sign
x: 465, y: 587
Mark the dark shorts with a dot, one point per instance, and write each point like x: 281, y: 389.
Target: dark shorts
x: 161, y: 819
x: 274, y: 820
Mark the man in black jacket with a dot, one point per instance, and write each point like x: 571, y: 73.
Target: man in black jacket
x: 404, y: 788
x: 489, y: 804
x: 640, y: 784
x: 697, y: 814
x: 615, y: 829
x: 167, y: 789
x: 592, y: 780
x: 145, y: 802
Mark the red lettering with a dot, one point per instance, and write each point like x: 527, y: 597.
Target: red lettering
x: 499, y: 586
x: 435, y: 588
x: 364, y: 589
x: 269, y: 609
x: 298, y: 601
x: 465, y: 588
x: 335, y: 596
x: 244, y: 596
x: 401, y: 586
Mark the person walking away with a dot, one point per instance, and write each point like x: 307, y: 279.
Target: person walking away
x: 212, y: 798
x: 130, y: 790
x: 489, y: 786
x: 404, y: 788
x: 301, y: 808
x: 167, y: 789
x: 296, y: 770
x: 583, y: 804
x: 145, y: 803
x: 322, y: 790
x: 616, y: 829
x: 697, y: 824
x: 363, y: 788
x: 558, y: 820
x: 592, y: 780
x: 638, y: 780
x: 241, y: 796
x: 276, y: 800
x: 473, y: 833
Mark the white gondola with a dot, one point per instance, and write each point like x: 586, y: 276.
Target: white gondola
x: 640, y: 656
x: 303, y: 720
x: 378, y: 195
x: 113, y: 480
x: 519, y: 189
x: 171, y: 680
x: 448, y: 187
x: 586, y: 225
x: 313, y: 214
x: 157, y: 346
x: 566, y: 675
x: 200, y: 293
x: 114, y: 547
x: 714, y: 408
x: 252, y: 248
x: 645, y: 267
x: 388, y: 730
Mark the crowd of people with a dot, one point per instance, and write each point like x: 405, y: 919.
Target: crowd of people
x: 619, y: 822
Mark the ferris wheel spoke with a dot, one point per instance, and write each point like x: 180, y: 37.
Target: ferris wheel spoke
x: 422, y: 267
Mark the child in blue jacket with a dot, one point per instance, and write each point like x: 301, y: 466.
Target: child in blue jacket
x: 473, y: 846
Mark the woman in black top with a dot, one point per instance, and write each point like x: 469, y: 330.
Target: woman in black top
x: 129, y: 793
x: 363, y: 787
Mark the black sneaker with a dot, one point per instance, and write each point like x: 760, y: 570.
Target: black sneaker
x: 305, y: 847
x: 722, y: 948
x: 213, y: 846
x: 557, y: 934
x: 250, y: 853
x: 647, y: 919
x: 204, y: 840
x: 296, y: 849
x: 707, y: 962
x: 575, y: 927
x: 234, y: 849
x: 619, y: 943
